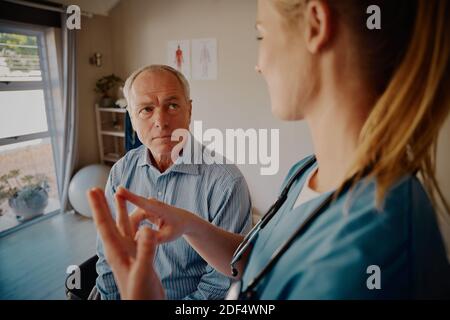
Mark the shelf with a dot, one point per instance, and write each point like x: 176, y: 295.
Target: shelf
x: 113, y: 133
x: 118, y: 110
x: 110, y: 133
x: 110, y: 158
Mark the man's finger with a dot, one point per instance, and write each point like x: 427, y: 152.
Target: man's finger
x: 138, y: 216
x: 164, y: 234
x: 146, y: 249
x: 104, y: 221
x: 141, y: 202
x: 122, y: 219
x: 135, y: 219
x: 101, y: 214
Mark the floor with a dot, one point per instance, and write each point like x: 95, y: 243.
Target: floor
x: 34, y: 260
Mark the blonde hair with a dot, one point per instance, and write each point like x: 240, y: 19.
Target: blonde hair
x: 411, y: 73
x: 152, y: 68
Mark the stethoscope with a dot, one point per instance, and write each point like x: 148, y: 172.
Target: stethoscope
x: 250, y: 293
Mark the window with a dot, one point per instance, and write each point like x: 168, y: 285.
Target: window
x: 28, y: 184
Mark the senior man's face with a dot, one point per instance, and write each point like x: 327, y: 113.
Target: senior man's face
x: 159, y: 106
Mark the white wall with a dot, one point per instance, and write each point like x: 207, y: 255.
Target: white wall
x: 94, y: 36
x: 239, y: 98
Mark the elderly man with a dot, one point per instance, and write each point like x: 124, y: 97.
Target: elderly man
x: 159, y: 103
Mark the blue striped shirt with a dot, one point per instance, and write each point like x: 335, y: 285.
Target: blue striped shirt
x: 216, y: 192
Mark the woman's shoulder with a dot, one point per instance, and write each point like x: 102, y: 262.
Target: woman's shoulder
x: 405, y: 205
x: 404, y: 224
x: 400, y: 238
x: 403, y: 198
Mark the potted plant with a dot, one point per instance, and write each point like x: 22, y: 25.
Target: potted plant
x: 27, y: 195
x: 104, y: 86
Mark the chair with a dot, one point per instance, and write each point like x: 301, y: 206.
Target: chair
x: 88, y: 290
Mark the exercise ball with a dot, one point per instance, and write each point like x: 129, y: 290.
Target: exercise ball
x: 88, y: 177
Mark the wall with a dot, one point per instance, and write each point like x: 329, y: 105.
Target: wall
x: 95, y: 35
x: 139, y: 31
x: 239, y: 98
x: 443, y: 174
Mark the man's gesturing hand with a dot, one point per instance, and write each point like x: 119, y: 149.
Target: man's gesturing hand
x: 131, y: 261
x: 172, y: 222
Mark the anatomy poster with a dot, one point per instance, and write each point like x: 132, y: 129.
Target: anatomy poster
x: 204, y: 59
x: 178, y: 56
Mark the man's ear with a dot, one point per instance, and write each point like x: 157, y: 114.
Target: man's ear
x: 317, y: 25
x: 131, y: 118
x: 190, y: 109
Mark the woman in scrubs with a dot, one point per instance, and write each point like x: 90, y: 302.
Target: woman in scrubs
x: 374, y: 100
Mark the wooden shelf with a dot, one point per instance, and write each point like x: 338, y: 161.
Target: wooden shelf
x: 110, y: 158
x: 110, y: 139
x: 113, y: 133
x: 118, y: 110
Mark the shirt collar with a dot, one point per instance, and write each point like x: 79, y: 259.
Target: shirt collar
x: 187, y: 163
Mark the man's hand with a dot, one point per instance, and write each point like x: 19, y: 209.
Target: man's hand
x: 172, y: 222
x: 131, y: 261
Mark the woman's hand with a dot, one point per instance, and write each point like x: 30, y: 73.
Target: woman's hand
x: 131, y: 261
x: 212, y: 243
x: 172, y: 222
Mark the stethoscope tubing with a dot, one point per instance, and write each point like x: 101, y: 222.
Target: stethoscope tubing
x: 250, y: 292
x: 244, y: 245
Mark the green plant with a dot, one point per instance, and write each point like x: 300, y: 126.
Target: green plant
x: 20, y: 51
x: 11, y: 183
x: 105, y: 84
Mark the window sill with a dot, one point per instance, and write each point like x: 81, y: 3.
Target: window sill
x: 11, y: 225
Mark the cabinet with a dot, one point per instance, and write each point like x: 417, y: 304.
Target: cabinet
x: 110, y: 133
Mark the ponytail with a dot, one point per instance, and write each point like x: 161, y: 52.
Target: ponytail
x: 400, y: 135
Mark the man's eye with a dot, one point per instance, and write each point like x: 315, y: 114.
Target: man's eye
x: 146, y: 110
x: 173, y: 106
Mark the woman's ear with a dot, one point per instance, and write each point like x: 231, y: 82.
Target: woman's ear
x: 317, y: 25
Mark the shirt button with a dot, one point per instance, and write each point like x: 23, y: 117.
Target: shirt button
x: 159, y: 193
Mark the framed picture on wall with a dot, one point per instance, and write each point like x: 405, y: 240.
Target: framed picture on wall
x: 179, y: 56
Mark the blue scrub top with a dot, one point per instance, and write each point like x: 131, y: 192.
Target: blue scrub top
x: 332, y: 259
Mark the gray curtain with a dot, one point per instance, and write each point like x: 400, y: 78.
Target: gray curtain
x: 68, y: 143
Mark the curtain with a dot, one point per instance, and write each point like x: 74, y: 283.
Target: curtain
x: 67, y: 129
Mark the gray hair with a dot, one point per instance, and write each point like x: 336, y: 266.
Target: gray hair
x: 155, y: 67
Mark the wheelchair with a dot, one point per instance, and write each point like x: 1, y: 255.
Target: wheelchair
x: 88, y: 290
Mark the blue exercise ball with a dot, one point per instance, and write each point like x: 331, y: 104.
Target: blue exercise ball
x: 92, y: 176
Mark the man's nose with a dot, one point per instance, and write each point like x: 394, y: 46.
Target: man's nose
x: 160, y: 118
